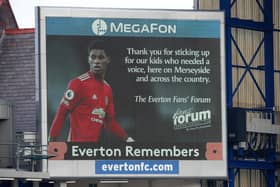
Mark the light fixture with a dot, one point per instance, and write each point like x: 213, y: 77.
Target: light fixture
x: 106, y: 181
x: 70, y: 182
x: 6, y: 179
x: 30, y: 179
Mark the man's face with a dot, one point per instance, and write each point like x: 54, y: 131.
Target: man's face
x: 98, y: 61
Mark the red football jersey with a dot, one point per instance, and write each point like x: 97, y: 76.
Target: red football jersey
x: 90, y: 104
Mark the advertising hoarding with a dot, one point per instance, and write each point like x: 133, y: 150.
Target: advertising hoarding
x: 166, y: 82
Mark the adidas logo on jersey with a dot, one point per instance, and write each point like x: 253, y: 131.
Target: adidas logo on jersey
x: 84, y: 76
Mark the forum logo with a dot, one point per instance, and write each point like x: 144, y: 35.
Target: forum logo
x: 191, y: 120
x: 99, y: 27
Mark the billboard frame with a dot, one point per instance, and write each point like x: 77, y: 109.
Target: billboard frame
x: 41, y: 97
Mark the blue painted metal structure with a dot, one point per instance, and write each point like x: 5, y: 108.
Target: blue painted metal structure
x: 265, y: 26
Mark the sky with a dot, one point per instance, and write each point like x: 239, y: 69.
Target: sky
x: 24, y: 10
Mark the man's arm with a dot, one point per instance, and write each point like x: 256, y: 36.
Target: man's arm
x: 113, y: 126
x: 58, y: 121
x: 69, y: 101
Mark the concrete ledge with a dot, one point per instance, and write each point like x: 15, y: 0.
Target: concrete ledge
x: 23, y: 174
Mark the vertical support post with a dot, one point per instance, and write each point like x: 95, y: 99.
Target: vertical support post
x: 225, y: 5
x: 60, y: 184
x: 17, y: 156
x: 36, y: 184
x: 15, y: 183
x: 268, y: 54
x: 269, y: 80
x: 231, y: 172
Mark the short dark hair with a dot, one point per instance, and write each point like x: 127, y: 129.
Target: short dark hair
x: 99, y: 44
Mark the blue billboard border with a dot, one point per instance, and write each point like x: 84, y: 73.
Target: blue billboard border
x: 143, y: 27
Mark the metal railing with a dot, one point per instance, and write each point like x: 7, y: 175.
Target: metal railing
x: 23, y: 157
x: 29, y: 157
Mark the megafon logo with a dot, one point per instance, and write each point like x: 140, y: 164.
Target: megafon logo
x: 99, y: 27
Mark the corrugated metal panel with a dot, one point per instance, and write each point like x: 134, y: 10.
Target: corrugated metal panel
x: 209, y: 4
x: 276, y: 22
x: 248, y: 41
x: 248, y: 95
x: 257, y: 178
x: 248, y: 9
x: 17, y: 78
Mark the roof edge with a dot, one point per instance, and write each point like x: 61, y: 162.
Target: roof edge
x: 19, y: 31
x: 12, y: 11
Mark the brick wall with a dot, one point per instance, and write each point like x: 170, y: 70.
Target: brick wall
x: 17, y: 78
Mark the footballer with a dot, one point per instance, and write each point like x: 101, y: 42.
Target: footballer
x: 89, y: 102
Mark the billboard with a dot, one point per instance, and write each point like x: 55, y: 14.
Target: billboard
x: 159, y: 108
